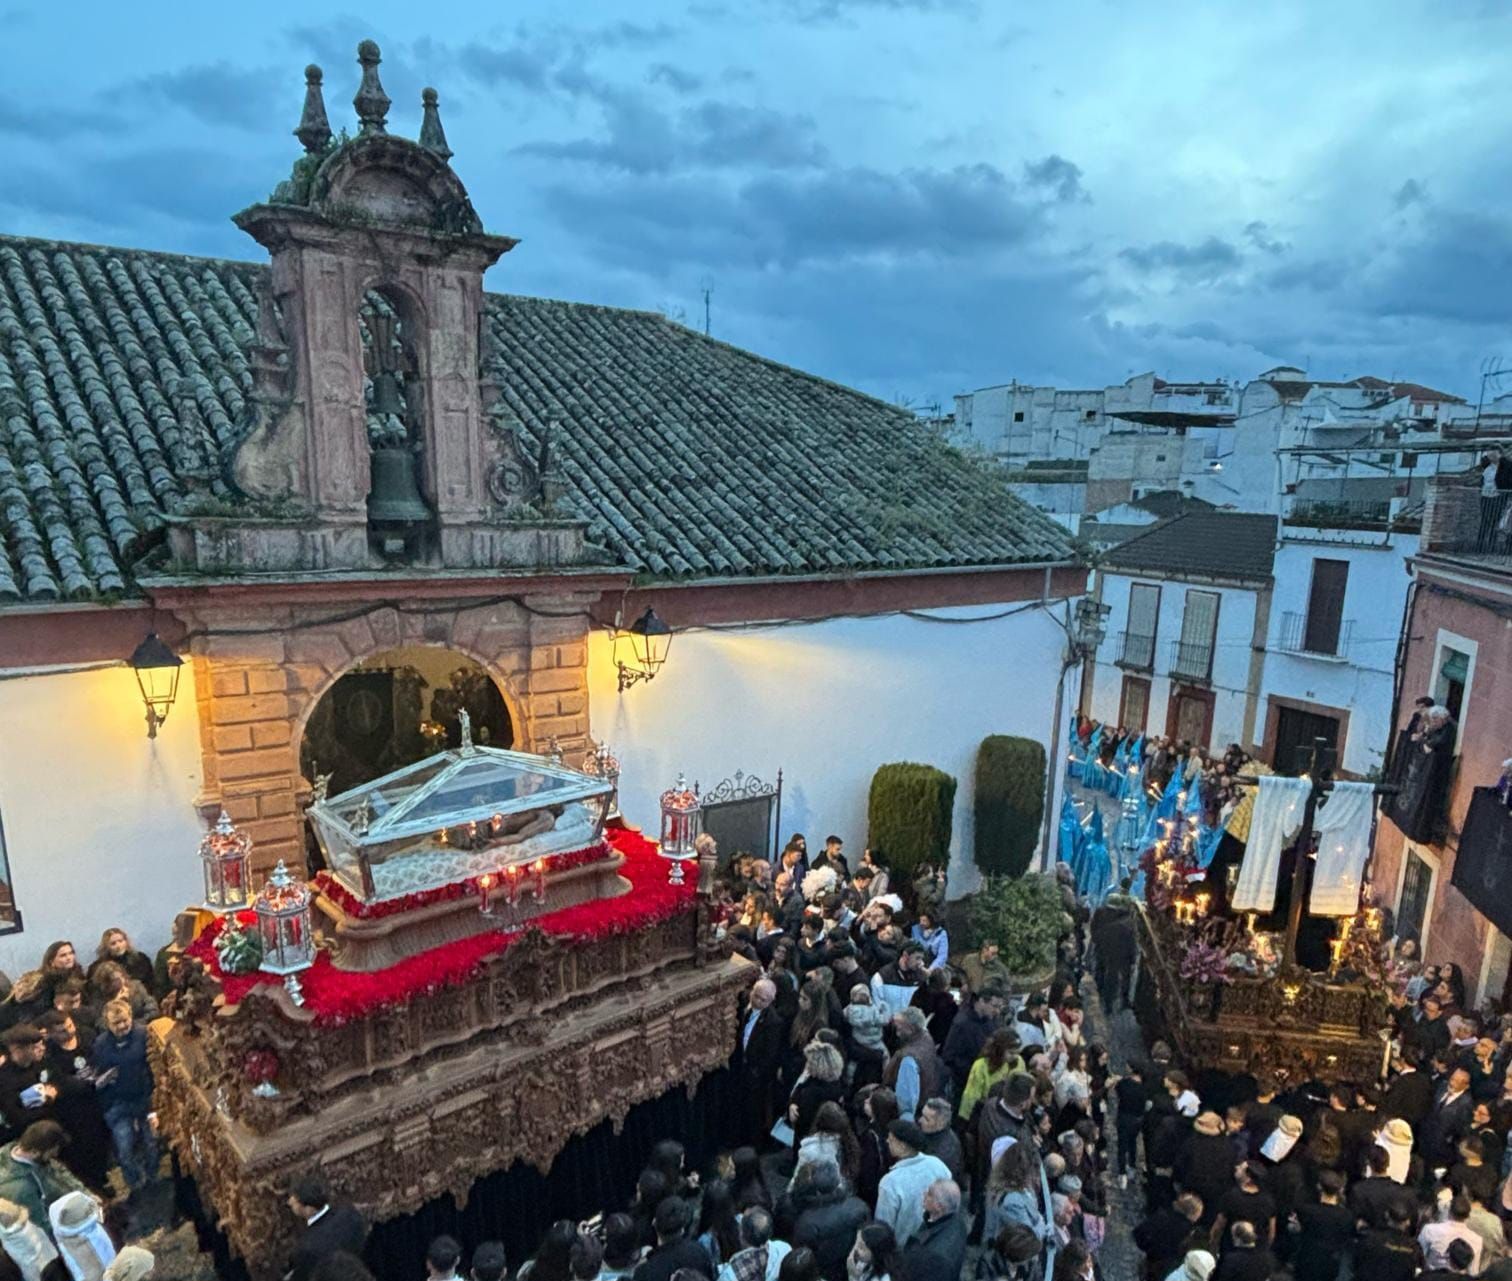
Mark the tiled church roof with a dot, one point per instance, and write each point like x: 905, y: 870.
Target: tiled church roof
x: 124, y: 374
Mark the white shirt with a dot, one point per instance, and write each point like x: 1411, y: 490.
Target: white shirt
x: 1436, y: 1238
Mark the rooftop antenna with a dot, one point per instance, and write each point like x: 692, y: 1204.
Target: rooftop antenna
x: 708, y: 292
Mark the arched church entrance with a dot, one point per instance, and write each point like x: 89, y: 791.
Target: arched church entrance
x: 396, y: 707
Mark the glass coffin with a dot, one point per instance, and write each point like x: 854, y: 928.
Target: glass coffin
x: 458, y: 814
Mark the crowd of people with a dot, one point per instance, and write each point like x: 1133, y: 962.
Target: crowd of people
x: 76, y: 1103
x: 898, y: 1108
x: 1390, y: 1180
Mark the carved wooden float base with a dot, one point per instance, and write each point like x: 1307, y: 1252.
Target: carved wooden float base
x: 520, y: 1094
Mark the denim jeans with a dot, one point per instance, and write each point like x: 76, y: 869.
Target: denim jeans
x: 135, y: 1145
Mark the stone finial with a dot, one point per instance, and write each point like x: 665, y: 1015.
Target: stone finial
x: 314, y: 130
x: 371, y: 102
x: 432, y: 135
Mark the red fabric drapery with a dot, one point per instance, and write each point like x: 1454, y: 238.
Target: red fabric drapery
x: 336, y: 996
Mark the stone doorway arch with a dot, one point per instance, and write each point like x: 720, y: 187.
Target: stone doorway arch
x: 260, y: 674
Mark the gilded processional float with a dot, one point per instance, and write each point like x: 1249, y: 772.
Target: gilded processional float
x: 491, y: 964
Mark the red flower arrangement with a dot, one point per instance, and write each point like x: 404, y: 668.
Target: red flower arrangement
x: 353, y: 906
x: 335, y: 996
x: 260, y: 1066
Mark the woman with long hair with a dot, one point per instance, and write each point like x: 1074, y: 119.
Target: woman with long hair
x: 111, y: 983
x: 60, y: 962
x: 999, y: 1059
x: 831, y: 1139
x: 718, y: 1223
x: 874, y: 1256
x: 26, y: 1001
x: 115, y: 945
x: 879, y: 1109
x: 747, y: 1181
x: 1013, y: 1192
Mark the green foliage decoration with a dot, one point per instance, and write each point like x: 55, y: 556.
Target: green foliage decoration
x: 909, y: 815
x: 1023, y: 915
x: 1009, y: 803
x: 238, y: 949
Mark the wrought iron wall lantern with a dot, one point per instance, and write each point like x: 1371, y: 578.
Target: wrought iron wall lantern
x: 641, y: 648
x: 157, y: 673
x: 1091, y: 625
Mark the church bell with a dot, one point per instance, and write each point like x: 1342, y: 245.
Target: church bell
x: 394, y: 498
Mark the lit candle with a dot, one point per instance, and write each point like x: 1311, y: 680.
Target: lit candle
x: 539, y: 867
x: 497, y: 822
x: 1202, y: 903
x: 485, y: 883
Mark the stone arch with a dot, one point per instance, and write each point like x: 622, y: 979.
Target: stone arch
x: 259, y: 673
x: 514, y: 704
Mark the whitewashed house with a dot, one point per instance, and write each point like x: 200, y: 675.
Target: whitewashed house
x: 1336, y: 620
x: 1190, y: 605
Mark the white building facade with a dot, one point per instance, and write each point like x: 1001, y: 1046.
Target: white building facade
x: 1190, y: 605
x: 1335, y: 626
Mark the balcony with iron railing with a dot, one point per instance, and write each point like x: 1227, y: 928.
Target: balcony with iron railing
x: 1136, y: 649
x: 1192, y: 660
x: 1297, y: 638
x: 1460, y: 524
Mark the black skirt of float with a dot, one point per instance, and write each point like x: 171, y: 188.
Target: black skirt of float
x: 594, y: 1172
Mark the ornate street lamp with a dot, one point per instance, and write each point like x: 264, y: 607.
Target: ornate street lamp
x: 641, y: 648
x: 1091, y: 625
x: 157, y: 672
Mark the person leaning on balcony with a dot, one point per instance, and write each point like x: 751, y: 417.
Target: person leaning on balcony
x: 1495, y: 484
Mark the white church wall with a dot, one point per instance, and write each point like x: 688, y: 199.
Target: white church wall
x: 829, y: 702
x: 99, y: 821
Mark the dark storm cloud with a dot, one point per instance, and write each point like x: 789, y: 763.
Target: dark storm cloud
x: 222, y: 94
x: 834, y: 215
x: 641, y: 138
x: 45, y: 124
x: 1455, y: 269
x: 1057, y: 175
x: 1206, y: 261
x: 1259, y: 235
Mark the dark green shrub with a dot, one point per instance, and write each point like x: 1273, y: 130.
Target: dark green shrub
x: 908, y: 816
x: 1009, y: 803
x: 1024, y: 916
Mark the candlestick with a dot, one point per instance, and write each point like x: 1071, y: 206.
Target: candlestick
x: 539, y: 867
x: 485, y: 883
x: 1202, y: 903
x: 512, y: 883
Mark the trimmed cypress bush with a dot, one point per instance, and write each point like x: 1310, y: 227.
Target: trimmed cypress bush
x: 1024, y: 916
x: 908, y: 816
x: 1009, y: 804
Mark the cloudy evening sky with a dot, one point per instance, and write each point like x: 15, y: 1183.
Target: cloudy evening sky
x: 913, y: 196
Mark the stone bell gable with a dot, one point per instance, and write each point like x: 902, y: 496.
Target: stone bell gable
x: 373, y: 439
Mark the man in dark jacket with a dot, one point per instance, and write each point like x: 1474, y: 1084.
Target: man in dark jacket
x: 827, y: 1216
x: 978, y: 1019
x: 330, y: 1226
x: 1448, y: 1121
x: 1205, y: 1163
x: 1372, y: 1199
x: 940, y: 1137
x: 1390, y: 1253
x: 758, y: 1052
x: 938, y: 1250
x: 124, y: 1079
x: 674, y: 1248
x: 1246, y: 1259
x: 1166, y: 1235
x: 1410, y: 1094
